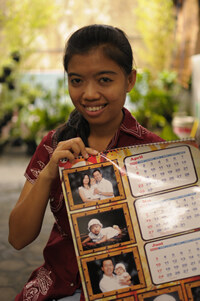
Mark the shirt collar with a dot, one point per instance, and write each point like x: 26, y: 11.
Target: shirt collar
x: 110, y: 277
x: 129, y: 126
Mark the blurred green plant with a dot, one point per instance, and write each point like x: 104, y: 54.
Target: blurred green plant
x: 155, y: 101
x: 50, y: 109
x: 156, y: 24
x: 27, y: 109
x: 21, y: 22
x: 14, y: 95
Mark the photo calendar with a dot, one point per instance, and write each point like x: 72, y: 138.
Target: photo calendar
x: 134, y: 214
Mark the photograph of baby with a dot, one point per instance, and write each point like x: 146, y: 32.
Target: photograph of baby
x: 92, y: 185
x: 98, y: 234
x: 103, y: 228
x: 113, y: 273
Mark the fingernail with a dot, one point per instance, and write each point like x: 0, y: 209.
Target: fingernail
x: 95, y: 152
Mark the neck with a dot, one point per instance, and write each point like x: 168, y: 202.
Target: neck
x: 110, y: 275
x: 99, y: 142
x: 100, y: 136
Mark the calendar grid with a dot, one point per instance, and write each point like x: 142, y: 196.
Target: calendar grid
x: 174, y: 258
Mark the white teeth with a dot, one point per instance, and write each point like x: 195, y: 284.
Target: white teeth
x: 94, y: 109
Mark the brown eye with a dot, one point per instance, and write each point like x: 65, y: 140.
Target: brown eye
x: 75, y: 81
x: 105, y: 80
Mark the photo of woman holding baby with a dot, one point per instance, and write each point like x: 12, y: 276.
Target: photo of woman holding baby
x: 87, y: 189
x: 92, y: 185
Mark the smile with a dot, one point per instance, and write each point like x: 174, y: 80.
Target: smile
x: 95, y: 109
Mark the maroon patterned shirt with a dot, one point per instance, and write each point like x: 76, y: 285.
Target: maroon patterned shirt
x: 58, y: 276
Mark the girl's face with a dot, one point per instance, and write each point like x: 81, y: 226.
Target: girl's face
x: 98, y: 87
x: 86, y: 180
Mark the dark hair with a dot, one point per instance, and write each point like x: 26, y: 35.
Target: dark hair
x: 113, y: 40
x: 115, y: 46
x: 82, y: 178
x: 96, y: 169
x: 105, y: 259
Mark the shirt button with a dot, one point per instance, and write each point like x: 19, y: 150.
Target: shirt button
x: 71, y: 284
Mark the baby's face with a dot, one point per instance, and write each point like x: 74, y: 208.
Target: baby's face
x: 95, y: 229
x: 119, y: 271
x: 92, y: 181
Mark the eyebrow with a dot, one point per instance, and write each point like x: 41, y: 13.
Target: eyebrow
x: 98, y: 73
x: 107, y: 72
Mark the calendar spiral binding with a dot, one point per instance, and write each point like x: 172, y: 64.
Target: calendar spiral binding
x: 150, y: 144
x: 141, y: 145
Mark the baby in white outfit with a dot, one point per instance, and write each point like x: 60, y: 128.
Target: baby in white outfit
x: 121, y: 274
x: 98, y: 234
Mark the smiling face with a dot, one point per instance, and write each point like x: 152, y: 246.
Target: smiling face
x: 86, y: 180
x: 108, y: 267
x: 97, y: 176
x: 98, y: 87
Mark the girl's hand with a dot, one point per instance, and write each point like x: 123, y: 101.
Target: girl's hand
x: 69, y: 149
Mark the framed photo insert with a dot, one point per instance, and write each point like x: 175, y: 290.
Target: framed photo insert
x: 73, y: 179
x: 94, y: 268
x: 114, y: 217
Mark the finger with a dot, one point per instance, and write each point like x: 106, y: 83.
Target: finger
x: 91, y: 151
x: 64, y: 154
x: 69, y: 143
x: 75, y: 149
x: 75, y: 146
x: 79, y: 149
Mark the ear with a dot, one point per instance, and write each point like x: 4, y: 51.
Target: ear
x: 131, y: 80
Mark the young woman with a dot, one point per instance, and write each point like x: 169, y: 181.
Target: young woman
x: 86, y: 190
x: 99, y: 64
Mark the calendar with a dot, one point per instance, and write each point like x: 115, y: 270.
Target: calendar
x: 161, y: 171
x: 134, y: 214
x: 169, y: 213
x: 175, y: 258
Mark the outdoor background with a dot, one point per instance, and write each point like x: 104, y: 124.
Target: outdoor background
x: 165, y: 37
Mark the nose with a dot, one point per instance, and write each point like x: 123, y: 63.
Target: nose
x: 91, y: 91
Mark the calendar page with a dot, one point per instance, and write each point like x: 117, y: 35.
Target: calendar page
x: 134, y: 214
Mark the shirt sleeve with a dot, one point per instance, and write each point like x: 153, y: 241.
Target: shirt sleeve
x: 40, y: 158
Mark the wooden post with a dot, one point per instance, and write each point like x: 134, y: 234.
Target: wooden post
x: 187, y: 37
